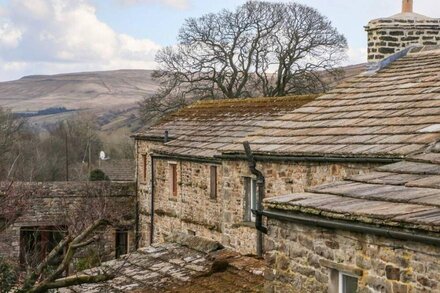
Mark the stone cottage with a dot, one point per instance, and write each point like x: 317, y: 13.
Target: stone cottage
x: 194, y: 176
x: 52, y: 208
x: 186, y: 184
x: 378, y: 232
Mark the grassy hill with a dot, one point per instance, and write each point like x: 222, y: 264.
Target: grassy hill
x: 111, y: 95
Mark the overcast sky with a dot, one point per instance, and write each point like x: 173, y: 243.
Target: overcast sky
x: 58, y: 36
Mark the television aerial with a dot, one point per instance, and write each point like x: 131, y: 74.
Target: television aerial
x: 102, y: 156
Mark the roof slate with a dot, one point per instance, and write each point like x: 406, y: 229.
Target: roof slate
x: 119, y: 170
x: 405, y: 193
x: 393, y: 112
x: 205, y: 128
x: 172, y: 267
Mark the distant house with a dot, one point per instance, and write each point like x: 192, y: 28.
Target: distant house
x: 53, y: 208
x: 119, y: 170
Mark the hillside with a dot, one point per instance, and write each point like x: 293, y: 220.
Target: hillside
x: 112, y: 95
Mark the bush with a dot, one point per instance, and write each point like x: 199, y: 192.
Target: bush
x: 98, y: 175
x: 8, y: 276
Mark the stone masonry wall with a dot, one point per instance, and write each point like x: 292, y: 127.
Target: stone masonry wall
x: 388, y: 36
x: 301, y: 259
x: 222, y: 219
x: 56, y: 204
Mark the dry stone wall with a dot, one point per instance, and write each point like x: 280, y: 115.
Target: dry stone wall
x: 301, y: 259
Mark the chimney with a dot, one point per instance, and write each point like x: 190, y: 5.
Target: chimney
x: 387, y: 36
x: 407, y: 6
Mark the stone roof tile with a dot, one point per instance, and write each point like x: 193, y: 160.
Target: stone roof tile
x: 404, y: 193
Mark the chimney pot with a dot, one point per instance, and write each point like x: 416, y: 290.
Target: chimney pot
x: 407, y: 6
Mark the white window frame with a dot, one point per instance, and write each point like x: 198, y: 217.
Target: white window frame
x: 341, y: 280
x: 253, y: 198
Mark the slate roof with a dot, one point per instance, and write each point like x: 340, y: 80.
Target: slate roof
x: 203, y: 129
x: 173, y: 267
x: 390, y: 113
x: 402, y: 194
x: 119, y: 170
x: 393, y: 112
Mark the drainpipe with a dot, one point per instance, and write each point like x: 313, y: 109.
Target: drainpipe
x: 260, y: 196
x: 137, y: 235
x: 152, y: 201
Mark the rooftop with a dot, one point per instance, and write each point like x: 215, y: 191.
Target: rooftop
x: 205, y: 127
x: 393, y: 112
x: 119, y: 170
x: 404, y: 194
x: 177, y: 267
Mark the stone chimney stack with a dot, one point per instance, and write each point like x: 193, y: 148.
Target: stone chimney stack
x: 387, y: 36
x: 407, y: 6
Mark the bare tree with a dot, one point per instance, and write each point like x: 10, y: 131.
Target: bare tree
x: 82, y: 221
x: 10, y: 127
x: 260, y: 49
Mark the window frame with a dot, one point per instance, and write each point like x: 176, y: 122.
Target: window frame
x: 118, y: 232
x: 250, y: 198
x: 341, y: 283
x: 213, y: 182
x: 173, y: 179
x: 144, y: 167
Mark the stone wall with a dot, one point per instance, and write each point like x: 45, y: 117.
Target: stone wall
x: 222, y: 219
x: 301, y: 259
x: 387, y: 36
x: 55, y: 204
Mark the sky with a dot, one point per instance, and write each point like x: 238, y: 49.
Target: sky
x: 60, y: 36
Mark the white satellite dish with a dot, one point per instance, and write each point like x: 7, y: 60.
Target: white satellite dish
x: 102, y: 156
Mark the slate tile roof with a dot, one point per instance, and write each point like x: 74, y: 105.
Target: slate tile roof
x: 206, y: 127
x: 401, y: 194
x: 172, y: 267
x: 390, y: 113
x: 393, y: 112
x: 119, y: 170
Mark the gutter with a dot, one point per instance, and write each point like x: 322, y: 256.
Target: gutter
x: 316, y: 159
x: 187, y: 158
x: 352, y: 227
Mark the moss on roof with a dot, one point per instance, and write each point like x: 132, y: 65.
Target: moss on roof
x: 240, y: 106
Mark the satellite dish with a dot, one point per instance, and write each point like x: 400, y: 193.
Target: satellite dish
x: 102, y: 156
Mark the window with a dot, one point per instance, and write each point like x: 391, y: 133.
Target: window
x: 347, y: 283
x: 250, y: 187
x: 144, y: 167
x: 121, y: 245
x: 213, y: 182
x: 37, y: 242
x: 173, y: 179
